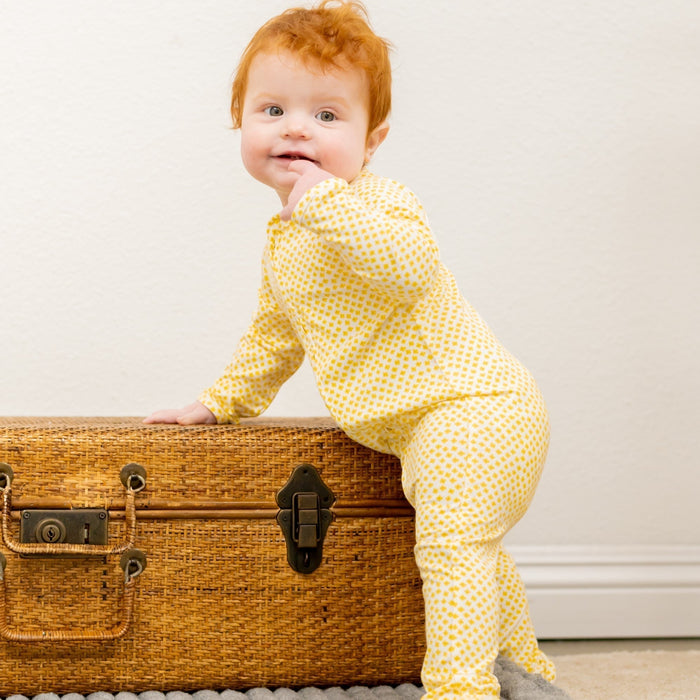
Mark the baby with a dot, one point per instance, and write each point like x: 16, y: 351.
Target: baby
x: 352, y: 279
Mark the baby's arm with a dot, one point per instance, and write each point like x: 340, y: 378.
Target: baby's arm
x: 382, y: 233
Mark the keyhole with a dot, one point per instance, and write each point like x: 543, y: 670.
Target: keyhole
x: 51, y: 532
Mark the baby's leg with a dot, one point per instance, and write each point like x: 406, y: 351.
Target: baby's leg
x: 461, y: 605
x: 470, y: 473
x: 517, y: 640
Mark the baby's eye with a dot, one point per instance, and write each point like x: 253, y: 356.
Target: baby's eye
x: 274, y: 111
x: 325, y: 116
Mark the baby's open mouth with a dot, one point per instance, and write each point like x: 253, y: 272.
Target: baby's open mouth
x: 295, y: 156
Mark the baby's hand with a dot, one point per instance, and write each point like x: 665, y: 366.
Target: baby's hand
x: 195, y: 413
x: 309, y: 175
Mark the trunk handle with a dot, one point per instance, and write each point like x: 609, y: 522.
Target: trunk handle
x: 133, y: 562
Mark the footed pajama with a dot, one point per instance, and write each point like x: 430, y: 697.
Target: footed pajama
x: 406, y: 365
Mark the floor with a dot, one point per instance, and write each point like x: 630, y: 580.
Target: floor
x: 596, y: 646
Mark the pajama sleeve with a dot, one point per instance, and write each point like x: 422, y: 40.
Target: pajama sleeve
x: 381, y: 232
x: 267, y: 355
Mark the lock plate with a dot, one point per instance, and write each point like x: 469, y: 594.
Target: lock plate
x: 304, y: 517
x: 73, y: 526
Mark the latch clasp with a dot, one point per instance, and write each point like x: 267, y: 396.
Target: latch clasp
x: 304, y: 517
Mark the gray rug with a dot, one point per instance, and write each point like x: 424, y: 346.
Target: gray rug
x: 516, y: 684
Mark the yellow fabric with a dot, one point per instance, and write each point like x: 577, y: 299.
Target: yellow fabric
x: 406, y: 366
x: 354, y: 280
x: 470, y: 468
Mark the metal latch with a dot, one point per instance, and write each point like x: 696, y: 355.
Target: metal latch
x: 72, y: 526
x: 304, y: 517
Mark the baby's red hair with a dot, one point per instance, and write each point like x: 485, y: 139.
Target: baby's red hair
x: 334, y: 34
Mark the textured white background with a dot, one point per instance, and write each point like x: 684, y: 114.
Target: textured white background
x: 555, y: 145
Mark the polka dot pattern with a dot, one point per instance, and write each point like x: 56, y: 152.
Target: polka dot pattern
x: 406, y: 366
x: 470, y: 468
x: 355, y: 281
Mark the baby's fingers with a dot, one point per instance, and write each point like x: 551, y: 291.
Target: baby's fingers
x: 188, y: 415
x: 301, y: 166
x: 309, y: 176
x: 168, y: 415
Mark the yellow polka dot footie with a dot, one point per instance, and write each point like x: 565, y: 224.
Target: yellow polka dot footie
x: 405, y: 365
x: 470, y: 470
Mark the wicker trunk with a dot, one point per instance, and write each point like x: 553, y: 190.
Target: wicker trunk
x: 179, y: 575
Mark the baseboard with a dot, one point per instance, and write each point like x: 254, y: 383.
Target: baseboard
x: 586, y: 592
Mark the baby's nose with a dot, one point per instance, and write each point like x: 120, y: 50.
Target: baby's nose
x: 296, y: 128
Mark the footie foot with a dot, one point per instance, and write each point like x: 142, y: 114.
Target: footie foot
x: 518, y: 684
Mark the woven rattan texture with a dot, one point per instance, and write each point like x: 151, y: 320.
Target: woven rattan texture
x: 218, y: 606
x: 80, y: 459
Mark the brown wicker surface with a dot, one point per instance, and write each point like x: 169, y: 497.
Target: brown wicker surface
x: 218, y: 605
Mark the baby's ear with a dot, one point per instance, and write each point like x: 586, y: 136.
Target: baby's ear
x: 375, y: 138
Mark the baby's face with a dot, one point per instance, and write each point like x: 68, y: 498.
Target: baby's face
x: 292, y: 111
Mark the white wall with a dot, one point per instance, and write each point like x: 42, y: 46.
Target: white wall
x: 555, y: 145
